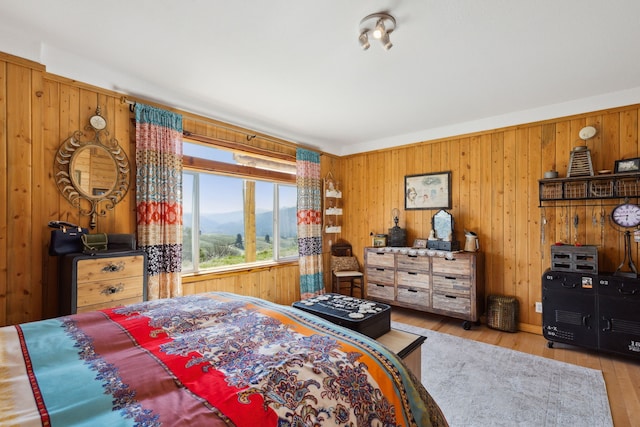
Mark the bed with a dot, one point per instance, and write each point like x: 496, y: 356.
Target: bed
x: 209, y: 359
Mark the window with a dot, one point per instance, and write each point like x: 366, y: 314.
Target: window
x: 241, y: 213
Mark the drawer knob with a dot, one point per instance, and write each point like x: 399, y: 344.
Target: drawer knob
x: 113, y: 268
x: 110, y: 290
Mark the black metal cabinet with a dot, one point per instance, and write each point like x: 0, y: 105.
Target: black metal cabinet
x: 595, y: 311
x: 569, y: 308
x: 619, y: 314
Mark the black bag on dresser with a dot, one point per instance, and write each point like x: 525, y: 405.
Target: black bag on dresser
x: 66, y: 238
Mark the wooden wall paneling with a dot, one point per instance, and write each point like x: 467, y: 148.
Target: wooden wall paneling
x: 124, y: 132
x: 485, y: 217
x: 21, y: 295
x: 423, y: 217
x: 579, y: 214
x: 39, y: 179
x: 4, y: 229
x: 534, y: 253
x: 543, y: 139
x: 412, y: 218
x: 563, y: 150
x: 266, y: 285
x: 373, y: 194
x: 394, y: 191
x: 609, y: 258
x: 525, y: 211
x: 109, y: 222
x: 629, y: 140
x: 603, y: 158
x: 359, y: 203
x: 50, y: 140
x: 453, y: 161
x: 464, y: 201
x: 497, y: 210
x: 591, y: 222
x: 629, y: 133
x: 473, y: 174
x: 595, y: 144
x: 511, y: 238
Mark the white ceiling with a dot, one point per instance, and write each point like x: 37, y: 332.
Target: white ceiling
x: 294, y: 69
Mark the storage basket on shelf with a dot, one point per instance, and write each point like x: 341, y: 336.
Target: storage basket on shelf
x: 502, y: 313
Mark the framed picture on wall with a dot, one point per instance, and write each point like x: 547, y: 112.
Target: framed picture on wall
x: 427, y: 191
x: 627, y: 165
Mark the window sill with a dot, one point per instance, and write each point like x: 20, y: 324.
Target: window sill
x: 234, y: 270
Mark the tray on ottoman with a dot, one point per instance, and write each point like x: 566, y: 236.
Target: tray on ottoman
x: 370, y: 318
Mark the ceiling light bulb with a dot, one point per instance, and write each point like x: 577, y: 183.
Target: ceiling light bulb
x: 364, y: 40
x: 386, y: 43
x: 379, y: 30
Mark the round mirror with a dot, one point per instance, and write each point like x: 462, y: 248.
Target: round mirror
x: 92, y: 174
x: 93, y: 171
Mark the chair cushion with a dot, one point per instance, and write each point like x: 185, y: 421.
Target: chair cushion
x: 347, y: 274
x: 344, y: 263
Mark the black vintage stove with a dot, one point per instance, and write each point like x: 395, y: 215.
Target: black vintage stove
x: 367, y: 317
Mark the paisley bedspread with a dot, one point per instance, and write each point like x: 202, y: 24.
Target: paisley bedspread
x: 208, y: 359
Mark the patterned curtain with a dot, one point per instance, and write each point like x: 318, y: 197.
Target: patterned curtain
x: 159, y: 197
x: 309, y: 223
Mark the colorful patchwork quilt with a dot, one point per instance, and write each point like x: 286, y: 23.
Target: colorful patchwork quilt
x: 203, y: 360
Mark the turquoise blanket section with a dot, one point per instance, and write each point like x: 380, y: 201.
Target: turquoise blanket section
x: 70, y: 390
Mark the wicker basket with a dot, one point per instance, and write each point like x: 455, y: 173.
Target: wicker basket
x: 502, y: 313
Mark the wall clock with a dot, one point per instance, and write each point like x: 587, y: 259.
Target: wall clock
x: 97, y: 121
x: 627, y: 216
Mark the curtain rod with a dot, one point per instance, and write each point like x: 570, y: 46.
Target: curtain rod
x: 249, y: 136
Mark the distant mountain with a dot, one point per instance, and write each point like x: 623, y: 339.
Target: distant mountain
x: 232, y: 223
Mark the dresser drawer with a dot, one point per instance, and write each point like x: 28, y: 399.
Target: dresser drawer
x: 413, y: 279
x: 461, y: 265
x: 101, y: 280
x: 109, y: 268
x: 381, y: 275
x: 380, y: 259
x: 109, y: 292
x: 413, y: 262
x: 414, y: 296
x: 379, y: 291
x: 452, y: 285
x: 451, y: 303
x: 108, y: 304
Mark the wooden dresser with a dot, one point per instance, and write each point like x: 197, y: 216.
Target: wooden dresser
x: 451, y: 287
x: 95, y: 281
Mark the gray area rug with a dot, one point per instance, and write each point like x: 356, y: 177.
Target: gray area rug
x: 478, y: 384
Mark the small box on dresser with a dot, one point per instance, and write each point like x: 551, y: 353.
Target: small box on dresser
x: 101, y: 280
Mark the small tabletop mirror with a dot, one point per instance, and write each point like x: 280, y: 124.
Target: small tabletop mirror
x: 442, y: 224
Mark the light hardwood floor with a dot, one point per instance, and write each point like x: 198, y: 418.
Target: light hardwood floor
x: 621, y: 374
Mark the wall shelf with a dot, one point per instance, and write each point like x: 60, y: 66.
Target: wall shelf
x: 332, y: 207
x: 600, y: 187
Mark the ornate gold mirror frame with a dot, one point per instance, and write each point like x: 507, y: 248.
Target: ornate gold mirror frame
x: 93, y: 175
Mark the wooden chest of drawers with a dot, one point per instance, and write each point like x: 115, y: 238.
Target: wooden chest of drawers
x: 452, y: 287
x: 92, y: 282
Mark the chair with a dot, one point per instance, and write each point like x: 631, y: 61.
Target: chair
x: 345, y: 269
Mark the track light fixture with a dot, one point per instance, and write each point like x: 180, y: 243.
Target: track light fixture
x: 380, y: 25
x: 364, y: 40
